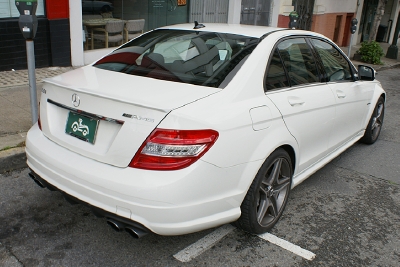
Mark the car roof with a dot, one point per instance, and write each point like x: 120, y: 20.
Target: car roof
x: 241, y: 29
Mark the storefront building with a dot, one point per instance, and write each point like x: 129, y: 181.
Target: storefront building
x: 156, y: 13
x: 75, y: 33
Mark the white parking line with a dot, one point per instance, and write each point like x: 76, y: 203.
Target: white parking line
x: 203, y: 244
x: 209, y: 240
x: 288, y: 246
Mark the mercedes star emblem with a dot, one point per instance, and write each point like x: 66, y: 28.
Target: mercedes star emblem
x: 76, y: 100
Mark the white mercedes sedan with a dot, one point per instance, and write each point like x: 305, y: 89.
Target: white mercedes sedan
x: 184, y: 129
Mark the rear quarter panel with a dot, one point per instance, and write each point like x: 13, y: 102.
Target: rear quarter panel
x: 228, y: 112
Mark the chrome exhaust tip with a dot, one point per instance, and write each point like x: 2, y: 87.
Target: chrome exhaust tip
x: 135, y: 232
x: 117, y: 226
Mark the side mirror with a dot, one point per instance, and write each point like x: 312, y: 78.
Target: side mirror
x: 366, y: 73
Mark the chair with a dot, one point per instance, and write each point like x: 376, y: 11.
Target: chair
x: 133, y: 28
x: 107, y: 15
x: 112, y: 33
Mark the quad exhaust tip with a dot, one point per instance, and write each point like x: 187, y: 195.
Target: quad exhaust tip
x: 39, y: 183
x: 118, y: 226
x: 135, y: 232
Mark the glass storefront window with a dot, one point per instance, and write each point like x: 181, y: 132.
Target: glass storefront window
x: 9, y: 10
x: 102, y: 18
x: 146, y: 15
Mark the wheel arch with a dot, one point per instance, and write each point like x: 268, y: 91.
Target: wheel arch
x: 289, y: 149
x: 384, y: 96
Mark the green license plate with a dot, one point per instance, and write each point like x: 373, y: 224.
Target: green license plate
x: 82, y: 127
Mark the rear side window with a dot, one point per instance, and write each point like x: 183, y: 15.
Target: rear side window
x: 336, y: 66
x: 201, y: 58
x: 299, y: 61
x: 276, y: 76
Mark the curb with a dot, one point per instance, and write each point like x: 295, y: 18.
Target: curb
x: 12, y: 159
x: 388, y: 67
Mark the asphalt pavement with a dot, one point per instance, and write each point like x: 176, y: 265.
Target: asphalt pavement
x: 356, y: 178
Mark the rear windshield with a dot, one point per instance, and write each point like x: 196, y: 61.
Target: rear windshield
x: 201, y: 58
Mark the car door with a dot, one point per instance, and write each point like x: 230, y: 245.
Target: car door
x: 306, y: 104
x: 352, y: 98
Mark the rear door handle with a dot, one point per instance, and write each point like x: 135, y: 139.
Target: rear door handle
x: 340, y: 94
x: 295, y: 101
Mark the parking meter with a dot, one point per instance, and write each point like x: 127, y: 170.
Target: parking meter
x: 293, y: 16
x: 353, y: 27
x: 28, y: 22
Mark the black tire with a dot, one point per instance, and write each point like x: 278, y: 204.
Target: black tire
x: 266, y: 198
x: 375, y: 123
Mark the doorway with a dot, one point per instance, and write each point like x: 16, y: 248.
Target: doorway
x: 346, y: 34
x: 256, y: 12
x: 337, y: 29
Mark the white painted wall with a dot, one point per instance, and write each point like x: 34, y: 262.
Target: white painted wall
x: 275, y: 12
x: 336, y: 6
x: 285, y: 7
x: 234, y: 11
x: 78, y: 56
x: 75, y: 28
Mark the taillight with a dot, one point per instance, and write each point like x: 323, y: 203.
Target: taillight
x: 39, y: 122
x: 173, y: 149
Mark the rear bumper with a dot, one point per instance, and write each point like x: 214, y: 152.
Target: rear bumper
x: 165, y: 202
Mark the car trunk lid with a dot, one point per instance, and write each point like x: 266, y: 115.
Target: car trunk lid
x: 106, y: 115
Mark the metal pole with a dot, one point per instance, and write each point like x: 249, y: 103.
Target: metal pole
x: 351, y: 41
x: 30, y: 53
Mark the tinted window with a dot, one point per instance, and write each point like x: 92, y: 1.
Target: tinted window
x: 276, y: 76
x: 336, y: 66
x: 202, y: 58
x: 299, y: 61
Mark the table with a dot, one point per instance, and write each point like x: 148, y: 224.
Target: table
x: 92, y: 23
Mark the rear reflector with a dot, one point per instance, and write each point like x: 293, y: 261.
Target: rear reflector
x: 173, y: 149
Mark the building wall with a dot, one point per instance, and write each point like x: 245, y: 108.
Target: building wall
x: 13, y: 45
x: 51, y: 43
x: 335, y: 26
x: 330, y: 18
x: 283, y: 21
x: 58, y: 16
x: 392, y: 11
x: 335, y: 6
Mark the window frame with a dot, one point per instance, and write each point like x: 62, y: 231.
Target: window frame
x: 325, y: 76
x: 316, y: 61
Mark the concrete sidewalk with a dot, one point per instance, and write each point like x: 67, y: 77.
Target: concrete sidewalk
x: 15, y: 119
x: 15, y: 110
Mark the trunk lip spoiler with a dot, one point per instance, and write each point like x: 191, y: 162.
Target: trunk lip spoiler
x: 96, y: 94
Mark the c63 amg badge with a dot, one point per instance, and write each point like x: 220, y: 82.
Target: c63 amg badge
x: 137, y: 117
